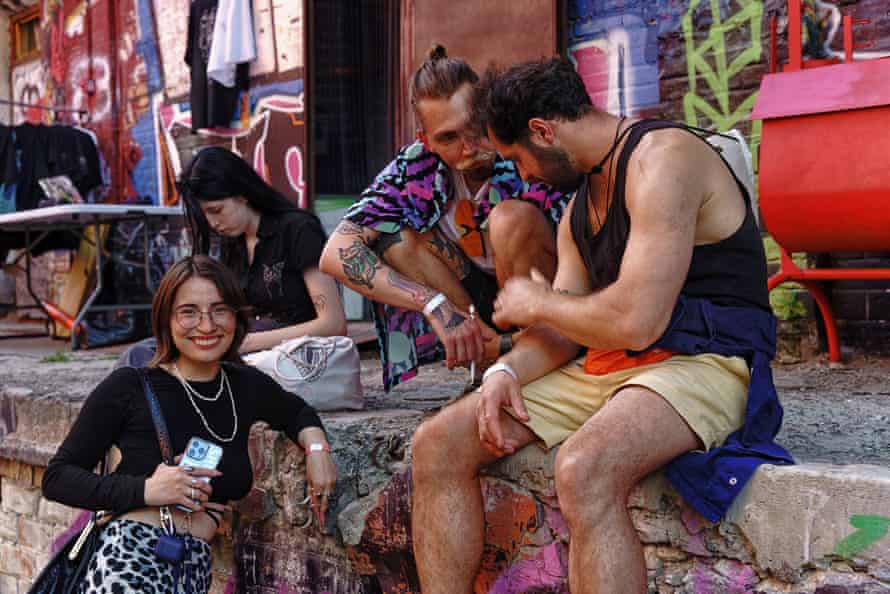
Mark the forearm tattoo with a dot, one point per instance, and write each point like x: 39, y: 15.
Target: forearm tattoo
x: 319, y: 301
x: 418, y: 293
x: 450, y: 253
x: 360, y: 264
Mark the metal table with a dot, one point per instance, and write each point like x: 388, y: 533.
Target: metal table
x: 75, y: 218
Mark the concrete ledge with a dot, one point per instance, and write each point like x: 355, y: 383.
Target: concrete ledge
x: 812, y: 528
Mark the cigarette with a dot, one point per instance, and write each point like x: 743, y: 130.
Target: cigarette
x: 472, y: 363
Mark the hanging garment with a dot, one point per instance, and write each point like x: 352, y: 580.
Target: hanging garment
x: 8, y: 170
x: 233, y: 41
x: 212, y: 104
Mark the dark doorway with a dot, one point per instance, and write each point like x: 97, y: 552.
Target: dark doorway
x: 354, y: 78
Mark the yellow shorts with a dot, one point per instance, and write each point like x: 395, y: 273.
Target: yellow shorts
x: 709, y: 391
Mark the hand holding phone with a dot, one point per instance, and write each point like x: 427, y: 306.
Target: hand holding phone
x: 200, y: 453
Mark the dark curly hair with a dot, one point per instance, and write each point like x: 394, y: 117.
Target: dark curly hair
x: 505, y: 100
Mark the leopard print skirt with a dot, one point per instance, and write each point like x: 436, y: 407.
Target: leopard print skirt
x: 125, y: 563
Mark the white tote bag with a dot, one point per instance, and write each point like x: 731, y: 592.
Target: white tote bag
x: 323, y: 370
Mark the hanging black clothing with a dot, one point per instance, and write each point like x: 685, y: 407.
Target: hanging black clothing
x: 9, y: 175
x: 212, y: 104
x: 731, y: 272
x: 31, y: 152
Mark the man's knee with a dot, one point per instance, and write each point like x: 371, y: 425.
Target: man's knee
x: 587, y: 481
x: 515, y: 219
x: 437, y: 444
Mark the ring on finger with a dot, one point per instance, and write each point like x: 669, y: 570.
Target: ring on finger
x: 194, y: 481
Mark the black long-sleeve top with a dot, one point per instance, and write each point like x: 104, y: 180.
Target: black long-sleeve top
x: 117, y: 413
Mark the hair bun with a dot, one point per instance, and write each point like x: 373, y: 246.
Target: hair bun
x: 437, y: 52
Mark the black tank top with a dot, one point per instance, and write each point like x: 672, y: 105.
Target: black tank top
x: 729, y: 272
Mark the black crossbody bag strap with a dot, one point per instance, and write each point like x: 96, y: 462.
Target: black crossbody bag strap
x: 157, y: 417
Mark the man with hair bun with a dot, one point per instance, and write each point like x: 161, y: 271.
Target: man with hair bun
x: 661, y: 288
x: 440, y: 229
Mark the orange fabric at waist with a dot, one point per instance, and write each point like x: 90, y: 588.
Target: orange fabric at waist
x: 601, y: 362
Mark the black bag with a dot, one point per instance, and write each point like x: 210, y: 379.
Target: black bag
x: 67, y: 568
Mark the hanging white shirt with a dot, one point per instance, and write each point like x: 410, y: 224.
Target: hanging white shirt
x: 233, y: 40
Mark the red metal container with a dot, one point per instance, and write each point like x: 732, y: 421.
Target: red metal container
x: 825, y: 157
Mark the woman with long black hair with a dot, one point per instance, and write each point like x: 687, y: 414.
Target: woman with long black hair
x: 270, y: 244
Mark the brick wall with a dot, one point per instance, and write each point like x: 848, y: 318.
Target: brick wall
x: 28, y: 525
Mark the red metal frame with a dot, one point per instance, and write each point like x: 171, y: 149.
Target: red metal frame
x: 789, y: 271
x: 809, y: 277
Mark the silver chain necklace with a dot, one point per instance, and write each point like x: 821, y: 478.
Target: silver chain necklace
x: 193, y: 391
x: 223, y: 382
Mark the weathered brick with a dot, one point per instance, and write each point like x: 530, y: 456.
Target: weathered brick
x: 17, y: 561
x: 849, y: 305
x: 19, y: 499
x: 15, y: 470
x: 55, y: 513
x: 8, y: 527
x: 35, y: 535
x: 9, y: 584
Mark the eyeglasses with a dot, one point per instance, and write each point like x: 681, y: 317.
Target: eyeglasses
x: 190, y: 317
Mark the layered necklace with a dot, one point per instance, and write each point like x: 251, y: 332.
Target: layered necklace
x: 192, y: 394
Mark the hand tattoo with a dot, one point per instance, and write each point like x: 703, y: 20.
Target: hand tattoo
x: 448, y: 316
x: 360, y: 264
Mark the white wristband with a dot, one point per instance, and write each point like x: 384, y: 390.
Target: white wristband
x: 434, y: 303
x: 500, y: 367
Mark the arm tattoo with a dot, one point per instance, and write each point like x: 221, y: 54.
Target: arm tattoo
x: 447, y: 249
x: 419, y: 294
x: 360, y: 264
x: 319, y: 301
x: 349, y: 228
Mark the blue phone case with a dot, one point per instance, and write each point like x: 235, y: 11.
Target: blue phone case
x: 200, y: 453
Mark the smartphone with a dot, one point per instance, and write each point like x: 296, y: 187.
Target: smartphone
x: 200, y: 453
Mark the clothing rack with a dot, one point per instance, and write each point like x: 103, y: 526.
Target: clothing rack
x: 82, y: 113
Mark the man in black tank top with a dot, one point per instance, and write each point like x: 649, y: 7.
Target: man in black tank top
x: 660, y: 236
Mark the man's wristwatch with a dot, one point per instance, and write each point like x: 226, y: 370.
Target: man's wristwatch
x: 317, y: 447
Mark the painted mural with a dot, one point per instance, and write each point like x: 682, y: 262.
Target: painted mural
x: 269, y: 129
x: 700, y: 61
x: 28, y: 87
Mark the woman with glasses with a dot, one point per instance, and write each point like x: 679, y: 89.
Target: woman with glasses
x: 272, y: 246
x: 204, y: 391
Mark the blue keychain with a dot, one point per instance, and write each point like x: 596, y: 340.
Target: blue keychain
x: 170, y: 546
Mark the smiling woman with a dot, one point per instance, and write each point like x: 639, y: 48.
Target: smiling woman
x: 204, y: 392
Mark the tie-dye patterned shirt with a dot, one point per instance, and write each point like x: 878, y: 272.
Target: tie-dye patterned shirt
x: 413, y: 191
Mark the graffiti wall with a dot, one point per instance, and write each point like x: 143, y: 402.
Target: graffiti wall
x: 269, y: 128
x: 143, y: 128
x: 700, y: 61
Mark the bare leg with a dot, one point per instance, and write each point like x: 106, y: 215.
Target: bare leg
x: 522, y: 239
x: 431, y: 260
x: 447, y: 519
x: 634, y: 434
